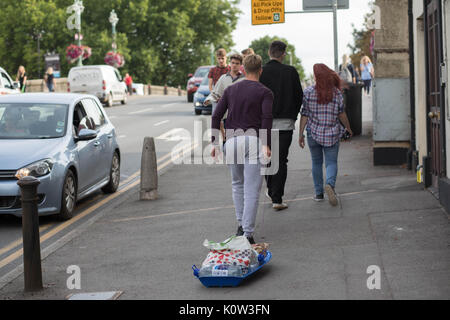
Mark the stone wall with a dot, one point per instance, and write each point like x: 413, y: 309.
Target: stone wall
x: 61, y: 86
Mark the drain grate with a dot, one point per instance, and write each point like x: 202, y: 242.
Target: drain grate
x: 109, y: 295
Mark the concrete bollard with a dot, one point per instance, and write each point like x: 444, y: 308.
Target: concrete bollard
x: 149, y: 171
x: 179, y: 90
x: 30, y: 233
x: 149, y: 89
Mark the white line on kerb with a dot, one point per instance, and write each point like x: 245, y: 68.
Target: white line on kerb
x: 161, y: 123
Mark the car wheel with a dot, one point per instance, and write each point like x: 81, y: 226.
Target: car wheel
x: 124, y: 100
x: 114, y: 175
x: 69, y: 197
x: 110, y: 101
x: 190, y: 97
x: 198, y: 112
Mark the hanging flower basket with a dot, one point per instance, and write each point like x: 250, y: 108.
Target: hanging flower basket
x: 114, y: 59
x: 73, y: 52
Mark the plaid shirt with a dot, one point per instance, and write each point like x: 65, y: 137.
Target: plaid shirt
x: 216, y: 72
x: 323, y: 122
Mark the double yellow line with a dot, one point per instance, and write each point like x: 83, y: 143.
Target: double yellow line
x: 13, y: 256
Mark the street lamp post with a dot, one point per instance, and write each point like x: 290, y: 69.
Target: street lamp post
x: 113, y: 19
x: 74, y: 22
x: 212, y: 54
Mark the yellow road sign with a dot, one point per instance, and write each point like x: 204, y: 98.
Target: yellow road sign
x: 267, y: 11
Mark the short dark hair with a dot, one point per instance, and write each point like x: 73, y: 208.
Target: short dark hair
x: 252, y: 63
x: 221, y: 53
x: 277, y: 49
x: 236, y: 56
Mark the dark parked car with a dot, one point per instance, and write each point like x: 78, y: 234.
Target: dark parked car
x: 195, y: 80
x: 200, y: 96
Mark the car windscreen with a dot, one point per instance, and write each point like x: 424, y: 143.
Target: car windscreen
x: 32, y: 120
x: 205, y: 81
x: 202, y: 72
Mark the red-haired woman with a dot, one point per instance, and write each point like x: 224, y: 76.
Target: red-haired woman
x: 322, y: 114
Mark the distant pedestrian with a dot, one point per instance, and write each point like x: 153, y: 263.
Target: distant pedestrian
x: 249, y: 106
x: 218, y: 71
x: 284, y: 81
x: 245, y: 54
x: 129, y: 83
x: 347, y: 70
x: 322, y: 114
x: 228, y: 79
x: 22, y: 78
x: 49, y: 79
x: 367, y: 73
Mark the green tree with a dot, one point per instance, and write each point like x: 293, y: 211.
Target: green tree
x: 261, y: 47
x: 162, y: 41
x: 362, y: 39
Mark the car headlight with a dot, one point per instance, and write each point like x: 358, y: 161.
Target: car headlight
x: 37, y: 169
x: 191, y: 85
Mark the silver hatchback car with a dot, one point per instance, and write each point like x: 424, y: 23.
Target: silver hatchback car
x: 64, y: 140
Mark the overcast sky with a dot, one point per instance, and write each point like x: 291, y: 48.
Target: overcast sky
x: 310, y: 33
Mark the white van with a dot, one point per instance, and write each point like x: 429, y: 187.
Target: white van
x: 7, y: 86
x: 102, y: 81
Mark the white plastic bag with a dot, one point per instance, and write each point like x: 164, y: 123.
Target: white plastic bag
x: 233, y: 243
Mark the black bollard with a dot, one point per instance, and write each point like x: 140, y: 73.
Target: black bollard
x: 30, y: 233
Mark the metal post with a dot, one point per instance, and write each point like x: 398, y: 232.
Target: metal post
x: 336, y: 48
x: 30, y: 234
x: 212, y: 54
x: 39, y: 53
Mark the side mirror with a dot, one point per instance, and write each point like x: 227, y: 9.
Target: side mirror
x: 86, y: 135
x: 16, y: 85
x: 190, y: 75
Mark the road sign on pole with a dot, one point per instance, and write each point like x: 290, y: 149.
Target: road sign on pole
x: 325, y: 5
x: 267, y: 11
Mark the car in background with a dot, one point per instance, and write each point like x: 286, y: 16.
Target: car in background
x: 195, y: 80
x: 7, y: 85
x: 200, y: 96
x: 102, y: 81
x: 66, y: 141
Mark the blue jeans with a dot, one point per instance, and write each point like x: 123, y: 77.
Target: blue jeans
x: 331, y: 156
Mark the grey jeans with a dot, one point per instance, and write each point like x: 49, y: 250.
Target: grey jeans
x: 242, y: 158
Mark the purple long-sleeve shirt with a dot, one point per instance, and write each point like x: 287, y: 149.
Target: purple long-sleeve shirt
x: 249, y: 105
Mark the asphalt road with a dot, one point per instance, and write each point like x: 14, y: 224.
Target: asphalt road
x: 169, y: 119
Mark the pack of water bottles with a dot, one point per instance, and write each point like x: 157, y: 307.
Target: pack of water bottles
x: 231, y: 261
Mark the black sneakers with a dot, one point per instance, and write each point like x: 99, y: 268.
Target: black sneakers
x: 251, y: 240
x: 240, y: 231
x: 319, y: 198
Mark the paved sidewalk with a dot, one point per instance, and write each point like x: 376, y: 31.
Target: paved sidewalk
x: 146, y: 249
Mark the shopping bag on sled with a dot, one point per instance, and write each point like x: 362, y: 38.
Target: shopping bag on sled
x: 230, y: 262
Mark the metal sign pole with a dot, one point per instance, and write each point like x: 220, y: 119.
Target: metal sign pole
x: 335, y: 27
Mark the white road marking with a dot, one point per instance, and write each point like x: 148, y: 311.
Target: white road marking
x: 141, y: 111
x: 169, y: 105
x: 175, y: 135
x: 161, y: 123
x: 122, y: 136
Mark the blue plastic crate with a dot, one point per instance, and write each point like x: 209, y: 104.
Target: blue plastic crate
x: 231, y: 281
